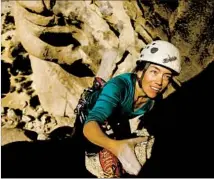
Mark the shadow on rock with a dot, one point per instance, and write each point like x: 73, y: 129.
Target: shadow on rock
x: 61, y: 156
x: 183, y: 127
x: 5, y: 78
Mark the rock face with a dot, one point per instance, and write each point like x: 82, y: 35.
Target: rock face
x: 52, y: 49
x: 58, y: 90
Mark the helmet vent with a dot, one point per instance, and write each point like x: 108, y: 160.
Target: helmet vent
x: 154, y: 50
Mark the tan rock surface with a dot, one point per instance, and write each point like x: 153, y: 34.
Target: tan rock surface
x: 12, y: 135
x: 58, y: 90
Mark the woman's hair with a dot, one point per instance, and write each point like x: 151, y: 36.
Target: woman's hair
x: 140, y: 65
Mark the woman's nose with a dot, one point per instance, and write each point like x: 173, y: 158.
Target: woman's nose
x: 159, y: 80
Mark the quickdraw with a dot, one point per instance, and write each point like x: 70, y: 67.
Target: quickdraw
x: 81, y: 108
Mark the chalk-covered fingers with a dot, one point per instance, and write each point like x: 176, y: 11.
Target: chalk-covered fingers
x: 128, y: 159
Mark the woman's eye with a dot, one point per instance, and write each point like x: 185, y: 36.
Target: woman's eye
x: 154, y: 72
x: 167, y: 77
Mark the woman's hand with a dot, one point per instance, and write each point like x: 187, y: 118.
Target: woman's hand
x: 124, y: 150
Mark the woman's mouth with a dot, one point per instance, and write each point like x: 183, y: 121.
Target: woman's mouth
x: 155, y: 89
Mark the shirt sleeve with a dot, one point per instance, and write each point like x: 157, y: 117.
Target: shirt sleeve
x: 108, y: 100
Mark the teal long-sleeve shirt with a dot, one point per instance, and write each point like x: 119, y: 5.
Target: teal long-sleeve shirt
x: 116, y: 100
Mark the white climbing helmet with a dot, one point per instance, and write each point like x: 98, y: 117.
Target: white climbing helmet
x: 162, y: 53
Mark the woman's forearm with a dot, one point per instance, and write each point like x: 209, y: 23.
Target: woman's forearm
x: 94, y: 134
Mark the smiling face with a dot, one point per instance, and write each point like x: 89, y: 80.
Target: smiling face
x: 156, y: 78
